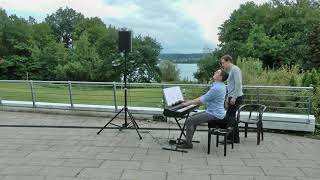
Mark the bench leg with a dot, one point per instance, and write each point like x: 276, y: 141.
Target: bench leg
x: 258, y: 133
x: 261, y: 130
x: 245, y: 130
x: 232, y: 133
x: 217, y: 141
x: 225, y: 145
x: 209, y: 141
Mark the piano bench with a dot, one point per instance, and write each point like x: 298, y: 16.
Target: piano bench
x: 220, y: 130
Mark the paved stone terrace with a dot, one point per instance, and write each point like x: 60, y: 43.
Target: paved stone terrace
x: 79, y: 154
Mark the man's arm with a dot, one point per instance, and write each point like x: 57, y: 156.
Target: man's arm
x: 194, y: 101
x: 205, y: 99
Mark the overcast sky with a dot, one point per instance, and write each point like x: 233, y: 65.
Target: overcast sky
x: 181, y: 26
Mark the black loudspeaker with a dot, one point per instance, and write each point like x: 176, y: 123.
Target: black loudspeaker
x: 125, y: 41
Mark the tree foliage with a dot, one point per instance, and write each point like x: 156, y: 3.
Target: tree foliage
x: 279, y: 32
x: 69, y: 46
x: 169, y: 71
x: 206, y: 66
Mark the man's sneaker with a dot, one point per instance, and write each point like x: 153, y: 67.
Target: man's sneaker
x: 172, y: 141
x: 185, y: 146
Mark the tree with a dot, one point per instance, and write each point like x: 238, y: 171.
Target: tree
x: 68, y: 46
x: 143, y: 60
x: 63, y: 23
x: 277, y: 32
x: 206, y: 66
x: 16, y: 47
x: 169, y: 71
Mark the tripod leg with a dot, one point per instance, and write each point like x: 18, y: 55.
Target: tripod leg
x: 110, y: 121
x: 134, y: 123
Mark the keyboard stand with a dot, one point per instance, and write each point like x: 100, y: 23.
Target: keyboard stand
x: 178, y: 141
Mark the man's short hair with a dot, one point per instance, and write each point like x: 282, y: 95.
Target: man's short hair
x: 224, y: 75
x: 227, y: 57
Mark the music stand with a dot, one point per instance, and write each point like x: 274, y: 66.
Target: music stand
x: 125, y: 48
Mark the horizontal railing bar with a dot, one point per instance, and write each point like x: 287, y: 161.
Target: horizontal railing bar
x: 297, y: 102
x: 275, y: 95
x: 286, y: 108
x: 157, y: 84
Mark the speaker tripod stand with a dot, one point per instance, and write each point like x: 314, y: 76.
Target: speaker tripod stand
x: 126, y: 125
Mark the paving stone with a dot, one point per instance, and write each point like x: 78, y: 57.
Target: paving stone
x: 282, y: 171
x: 307, y: 178
x: 44, y: 154
x: 263, y: 162
x: 40, y: 161
x: 231, y: 177
x: 11, y: 160
x: 64, y: 178
x: 21, y: 170
x: 273, y: 178
x: 108, y: 164
x: 60, y: 171
x: 82, y: 163
x: 11, y: 177
x: 187, y: 176
x: 299, y: 163
x: 139, y: 174
x: 160, y: 166
x: 64, y: 148
x: 312, y: 172
x: 234, y: 154
x: 230, y: 161
x: 11, y: 146
x: 79, y: 155
x: 193, y: 168
x: 62, y: 142
x: 150, y: 158
x: 301, y: 156
x: 238, y: 170
x: 104, y: 149
x: 32, y: 147
x: 114, y: 156
x: 101, y: 173
x: 14, y: 153
x: 127, y: 150
x: 188, y: 160
x: 269, y: 156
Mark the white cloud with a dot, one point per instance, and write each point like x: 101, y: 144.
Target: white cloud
x: 210, y: 14
x: 88, y: 7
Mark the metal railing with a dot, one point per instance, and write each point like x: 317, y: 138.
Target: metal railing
x: 282, y: 99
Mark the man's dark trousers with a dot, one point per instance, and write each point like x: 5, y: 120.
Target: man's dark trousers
x: 231, y: 112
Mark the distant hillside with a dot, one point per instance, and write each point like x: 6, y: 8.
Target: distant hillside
x: 182, y: 58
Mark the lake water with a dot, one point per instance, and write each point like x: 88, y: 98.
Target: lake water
x: 187, y: 70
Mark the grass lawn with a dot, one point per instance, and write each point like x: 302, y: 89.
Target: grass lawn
x: 87, y: 94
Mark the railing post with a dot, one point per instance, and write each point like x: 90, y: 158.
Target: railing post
x: 309, y: 108
x: 163, y: 99
x: 115, y: 96
x: 70, y: 94
x: 32, y: 93
x: 258, y: 95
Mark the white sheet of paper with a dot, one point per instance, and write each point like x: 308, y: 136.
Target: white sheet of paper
x: 172, y: 95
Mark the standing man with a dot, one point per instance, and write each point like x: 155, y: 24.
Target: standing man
x: 214, y: 99
x: 234, y: 91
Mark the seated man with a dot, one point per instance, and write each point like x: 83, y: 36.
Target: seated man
x: 214, y: 99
